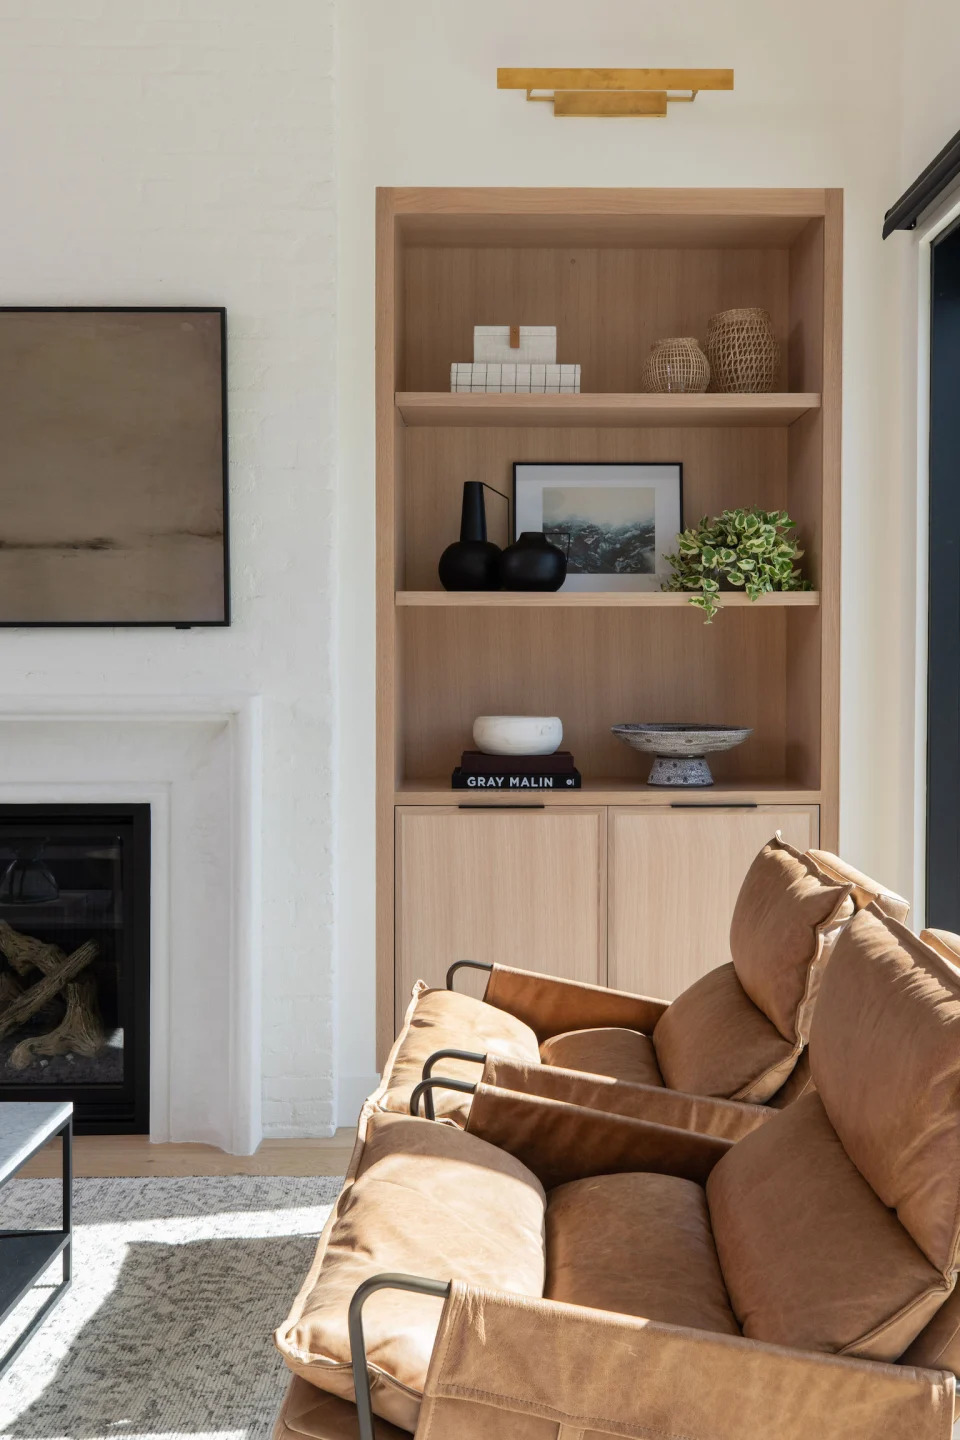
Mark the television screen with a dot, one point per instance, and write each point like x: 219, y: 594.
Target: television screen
x: 113, y: 467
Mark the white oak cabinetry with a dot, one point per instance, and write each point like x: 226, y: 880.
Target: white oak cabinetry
x: 674, y: 877
x: 608, y: 883
x: 525, y: 887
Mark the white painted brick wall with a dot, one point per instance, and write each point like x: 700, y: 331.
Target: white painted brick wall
x: 183, y: 152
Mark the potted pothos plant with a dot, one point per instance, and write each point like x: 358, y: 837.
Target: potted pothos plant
x: 753, y: 550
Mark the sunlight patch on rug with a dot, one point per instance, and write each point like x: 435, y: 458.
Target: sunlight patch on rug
x: 167, y: 1330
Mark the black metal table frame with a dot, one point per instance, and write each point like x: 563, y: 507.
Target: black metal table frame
x: 64, y: 1249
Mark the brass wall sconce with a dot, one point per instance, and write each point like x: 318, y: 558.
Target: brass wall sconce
x: 613, y: 92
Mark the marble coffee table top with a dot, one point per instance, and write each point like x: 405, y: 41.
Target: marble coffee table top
x: 25, y: 1124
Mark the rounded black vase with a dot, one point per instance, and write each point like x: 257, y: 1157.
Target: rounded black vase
x: 473, y: 561
x: 532, y: 563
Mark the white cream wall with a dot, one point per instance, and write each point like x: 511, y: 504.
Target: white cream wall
x: 178, y: 152
x: 931, y: 106
x: 419, y: 106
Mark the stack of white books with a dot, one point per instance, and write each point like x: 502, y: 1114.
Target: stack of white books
x: 491, y: 378
x: 515, y: 360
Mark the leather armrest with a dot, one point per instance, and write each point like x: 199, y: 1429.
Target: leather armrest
x: 730, y: 1119
x: 561, y: 1142
x: 551, y: 1006
x: 589, y: 1372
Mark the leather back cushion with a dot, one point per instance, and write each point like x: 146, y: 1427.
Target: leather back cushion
x: 944, y: 942
x: 427, y: 1200
x: 865, y: 890
x: 797, y: 1083
x: 446, y: 1020
x: 810, y: 1256
x: 786, y: 916
x: 714, y: 1041
x: 885, y: 1058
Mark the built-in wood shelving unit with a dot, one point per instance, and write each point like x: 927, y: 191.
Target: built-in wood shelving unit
x: 441, y: 408
x: 594, y: 600
x: 622, y: 790
x: 614, y: 270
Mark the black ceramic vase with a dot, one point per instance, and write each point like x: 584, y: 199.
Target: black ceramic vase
x: 532, y: 563
x: 473, y: 561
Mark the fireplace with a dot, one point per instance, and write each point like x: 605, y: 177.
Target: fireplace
x: 75, y: 960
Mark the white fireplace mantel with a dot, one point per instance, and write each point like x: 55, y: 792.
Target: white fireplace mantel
x: 196, y: 760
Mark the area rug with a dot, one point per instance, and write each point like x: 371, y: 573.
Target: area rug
x: 166, y: 1332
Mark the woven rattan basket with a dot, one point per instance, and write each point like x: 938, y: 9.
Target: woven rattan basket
x: 743, y: 352
x: 675, y: 367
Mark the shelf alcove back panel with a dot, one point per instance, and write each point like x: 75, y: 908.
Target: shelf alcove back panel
x: 595, y: 669
x: 722, y: 467
x: 609, y: 305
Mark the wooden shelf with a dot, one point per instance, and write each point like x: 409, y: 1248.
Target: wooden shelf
x: 612, y: 883
x: 620, y: 791
x: 441, y: 408
x: 593, y: 600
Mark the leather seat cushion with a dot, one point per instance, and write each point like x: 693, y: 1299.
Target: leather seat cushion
x: 637, y: 1244
x: 714, y: 1041
x: 786, y: 918
x: 810, y: 1256
x: 937, y: 1347
x: 310, y: 1414
x: 427, y: 1200
x: 620, y: 1054
x: 885, y: 1058
x: 447, y: 1020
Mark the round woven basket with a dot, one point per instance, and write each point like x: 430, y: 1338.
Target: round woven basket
x: 675, y: 367
x: 743, y: 351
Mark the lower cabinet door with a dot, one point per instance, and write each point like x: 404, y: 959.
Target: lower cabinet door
x: 523, y: 887
x: 674, y: 878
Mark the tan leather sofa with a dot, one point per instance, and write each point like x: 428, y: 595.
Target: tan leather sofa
x: 610, y: 1276
x: 738, y: 1034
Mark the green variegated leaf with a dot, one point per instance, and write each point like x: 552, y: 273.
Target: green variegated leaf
x: 752, y: 548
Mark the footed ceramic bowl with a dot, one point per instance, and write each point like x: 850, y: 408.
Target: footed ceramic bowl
x: 517, y: 734
x: 680, y: 749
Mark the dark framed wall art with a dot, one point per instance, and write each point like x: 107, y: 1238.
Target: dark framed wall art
x: 113, y: 466
x: 615, y: 521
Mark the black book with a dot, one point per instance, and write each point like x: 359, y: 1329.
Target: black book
x: 476, y: 762
x: 509, y: 782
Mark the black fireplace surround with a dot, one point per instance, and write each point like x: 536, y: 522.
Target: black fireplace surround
x: 75, y: 961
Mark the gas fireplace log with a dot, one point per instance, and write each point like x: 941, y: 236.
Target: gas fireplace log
x: 10, y: 990
x: 52, y: 983
x: 24, y: 953
x: 80, y: 1031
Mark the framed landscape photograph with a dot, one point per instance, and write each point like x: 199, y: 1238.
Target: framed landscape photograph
x: 113, y: 466
x: 615, y: 522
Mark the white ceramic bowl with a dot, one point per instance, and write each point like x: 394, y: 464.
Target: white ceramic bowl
x: 517, y: 734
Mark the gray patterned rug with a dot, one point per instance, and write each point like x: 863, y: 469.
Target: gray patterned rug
x: 166, y: 1332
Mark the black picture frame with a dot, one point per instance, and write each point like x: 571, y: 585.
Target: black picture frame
x: 607, y: 579
x: 180, y: 623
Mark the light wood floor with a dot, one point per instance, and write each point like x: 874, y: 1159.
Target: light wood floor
x: 134, y: 1155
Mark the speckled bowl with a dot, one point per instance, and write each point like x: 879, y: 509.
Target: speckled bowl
x: 679, y: 749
